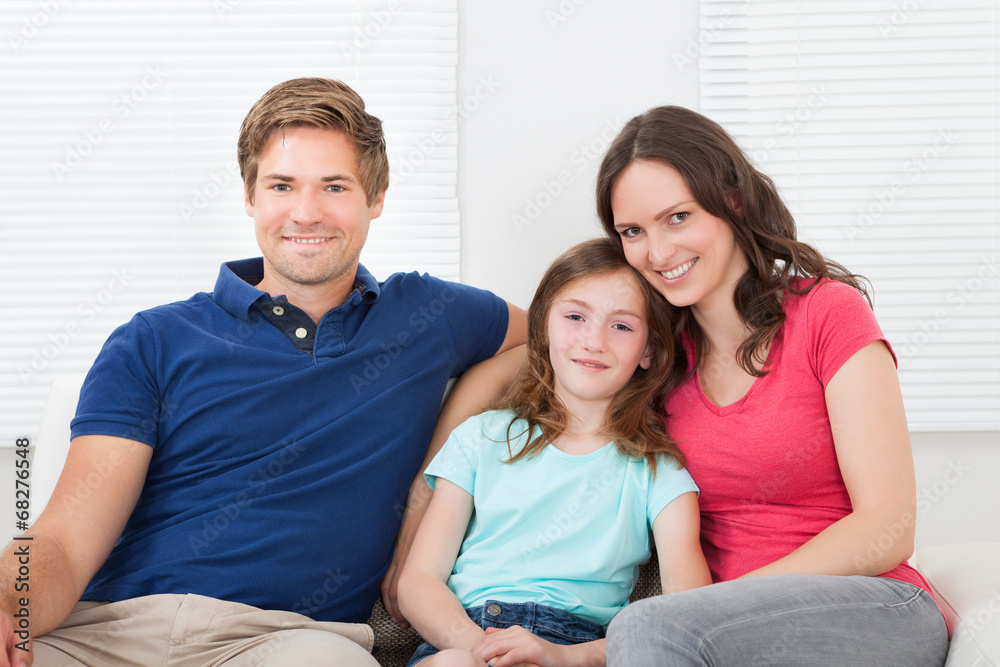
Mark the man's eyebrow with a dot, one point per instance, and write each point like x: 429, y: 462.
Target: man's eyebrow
x: 324, y: 179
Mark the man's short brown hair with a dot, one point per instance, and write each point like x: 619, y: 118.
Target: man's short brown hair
x: 315, y: 102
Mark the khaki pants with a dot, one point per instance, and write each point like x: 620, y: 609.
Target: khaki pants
x: 197, y: 631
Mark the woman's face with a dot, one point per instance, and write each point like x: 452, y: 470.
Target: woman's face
x: 686, y: 253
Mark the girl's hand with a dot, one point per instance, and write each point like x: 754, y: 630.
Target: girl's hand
x: 516, y: 647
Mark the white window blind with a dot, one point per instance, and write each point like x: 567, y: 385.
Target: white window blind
x: 878, y: 119
x: 119, y: 188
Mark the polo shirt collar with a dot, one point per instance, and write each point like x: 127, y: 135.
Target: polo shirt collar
x: 234, y: 294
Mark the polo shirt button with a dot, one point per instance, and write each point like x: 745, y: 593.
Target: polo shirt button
x: 278, y: 310
x: 301, y: 333
x: 494, y: 610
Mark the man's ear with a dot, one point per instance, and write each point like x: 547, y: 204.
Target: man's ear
x: 247, y: 203
x: 378, y: 204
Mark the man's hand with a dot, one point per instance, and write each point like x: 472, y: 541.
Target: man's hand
x: 390, y: 584
x: 12, y: 656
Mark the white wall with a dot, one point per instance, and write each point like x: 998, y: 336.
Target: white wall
x: 569, y: 74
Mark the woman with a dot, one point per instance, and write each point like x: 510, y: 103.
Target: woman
x: 790, y: 416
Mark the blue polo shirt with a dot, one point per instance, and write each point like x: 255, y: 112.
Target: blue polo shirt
x: 278, y: 474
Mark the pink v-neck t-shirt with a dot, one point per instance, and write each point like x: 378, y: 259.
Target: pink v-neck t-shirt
x: 766, y: 464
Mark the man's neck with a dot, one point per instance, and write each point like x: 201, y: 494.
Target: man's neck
x: 315, y: 300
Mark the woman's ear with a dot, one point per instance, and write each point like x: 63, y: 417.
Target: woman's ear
x: 736, y: 203
x: 647, y: 359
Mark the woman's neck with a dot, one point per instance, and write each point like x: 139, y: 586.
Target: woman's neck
x: 722, y: 377
x: 721, y: 325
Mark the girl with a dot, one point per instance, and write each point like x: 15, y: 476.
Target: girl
x: 791, y: 418
x: 538, y: 524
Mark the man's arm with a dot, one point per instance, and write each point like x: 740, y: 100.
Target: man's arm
x: 96, y: 493
x: 473, y: 392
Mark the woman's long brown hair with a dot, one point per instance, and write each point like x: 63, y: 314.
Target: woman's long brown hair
x: 635, y: 418
x: 725, y: 184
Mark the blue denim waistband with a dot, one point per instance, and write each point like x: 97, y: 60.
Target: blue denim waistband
x: 544, y: 621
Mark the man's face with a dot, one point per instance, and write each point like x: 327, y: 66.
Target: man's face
x: 310, y: 211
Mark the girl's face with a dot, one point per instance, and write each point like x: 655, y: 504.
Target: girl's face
x: 597, y: 334
x: 686, y: 253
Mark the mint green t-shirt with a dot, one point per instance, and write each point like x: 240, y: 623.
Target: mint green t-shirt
x: 565, y: 531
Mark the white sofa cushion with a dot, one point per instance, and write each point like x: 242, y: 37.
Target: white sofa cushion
x: 966, y: 580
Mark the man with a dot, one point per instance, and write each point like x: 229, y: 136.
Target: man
x: 256, y: 444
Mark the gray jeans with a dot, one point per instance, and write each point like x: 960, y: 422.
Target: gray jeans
x: 777, y: 620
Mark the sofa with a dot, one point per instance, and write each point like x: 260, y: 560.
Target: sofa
x: 965, y: 577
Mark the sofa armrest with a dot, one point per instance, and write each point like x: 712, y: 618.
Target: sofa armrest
x: 966, y: 582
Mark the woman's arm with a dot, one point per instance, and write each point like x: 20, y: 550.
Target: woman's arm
x: 865, y: 406
x: 676, y: 533
x: 424, y: 597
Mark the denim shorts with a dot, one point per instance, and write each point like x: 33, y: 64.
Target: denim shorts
x: 554, y: 625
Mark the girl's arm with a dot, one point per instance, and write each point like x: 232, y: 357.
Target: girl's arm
x: 870, y: 434
x: 424, y: 597
x: 676, y: 533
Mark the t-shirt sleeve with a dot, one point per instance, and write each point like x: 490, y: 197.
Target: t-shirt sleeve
x: 477, y: 319
x: 457, y: 460
x: 840, y: 323
x: 120, y: 395
x: 669, y: 483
